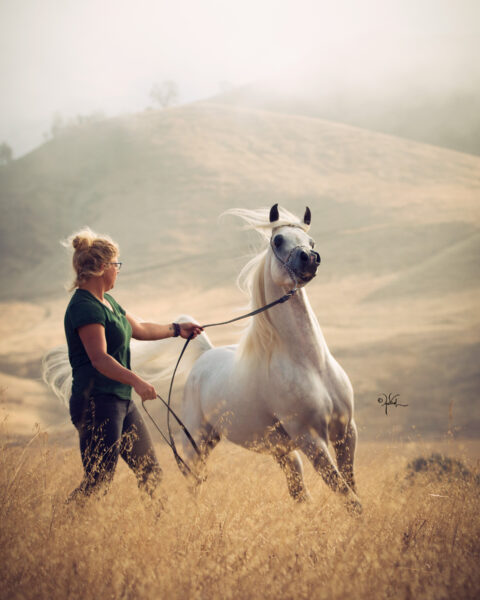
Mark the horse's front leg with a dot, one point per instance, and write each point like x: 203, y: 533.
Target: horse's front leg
x: 313, y: 444
x: 291, y: 465
x: 315, y: 448
x: 345, y: 454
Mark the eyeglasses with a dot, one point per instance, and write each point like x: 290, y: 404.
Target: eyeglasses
x: 118, y: 265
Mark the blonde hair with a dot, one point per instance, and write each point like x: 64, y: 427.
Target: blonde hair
x: 91, y: 252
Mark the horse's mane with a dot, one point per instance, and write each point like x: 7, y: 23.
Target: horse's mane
x: 260, y: 337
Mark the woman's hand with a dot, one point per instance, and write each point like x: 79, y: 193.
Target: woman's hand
x: 145, y: 390
x: 190, y: 329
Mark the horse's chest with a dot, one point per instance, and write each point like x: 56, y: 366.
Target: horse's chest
x: 310, y: 390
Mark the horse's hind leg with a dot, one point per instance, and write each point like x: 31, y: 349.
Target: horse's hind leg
x: 291, y: 464
x: 209, y: 440
x: 345, y: 453
x: 206, y: 438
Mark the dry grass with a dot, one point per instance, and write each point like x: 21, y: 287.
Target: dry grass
x: 241, y: 536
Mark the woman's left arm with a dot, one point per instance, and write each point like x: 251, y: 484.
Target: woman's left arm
x: 155, y: 331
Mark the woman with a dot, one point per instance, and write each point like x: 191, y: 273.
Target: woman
x: 98, y: 332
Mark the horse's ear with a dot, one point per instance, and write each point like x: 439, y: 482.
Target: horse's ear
x: 274, y: 213
x: 307, y: 217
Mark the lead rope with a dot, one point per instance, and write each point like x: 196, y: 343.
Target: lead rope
x: 182, y: 465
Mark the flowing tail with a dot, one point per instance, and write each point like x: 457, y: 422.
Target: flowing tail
x: 153, y: 361
x: 57, y: 372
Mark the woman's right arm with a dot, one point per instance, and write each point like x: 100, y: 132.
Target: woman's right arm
x: 95, y: 344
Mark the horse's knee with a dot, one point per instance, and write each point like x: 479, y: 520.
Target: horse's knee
x: 292, y: 466
x: 212, y: 441
x: 296, y: 462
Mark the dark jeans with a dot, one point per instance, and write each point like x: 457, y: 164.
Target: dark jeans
x: 108, y: 427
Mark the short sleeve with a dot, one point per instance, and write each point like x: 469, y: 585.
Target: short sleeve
x: 86, y: 313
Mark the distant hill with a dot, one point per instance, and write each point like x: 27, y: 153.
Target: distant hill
x: 157, y: 182
x: 450, y: 119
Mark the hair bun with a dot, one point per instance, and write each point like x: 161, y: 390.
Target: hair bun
x: 82, y: 241
x: 91, y: 252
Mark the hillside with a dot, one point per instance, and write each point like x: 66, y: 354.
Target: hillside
x: 158, y: 181
x: 396, y: 223
x: 448, y: 119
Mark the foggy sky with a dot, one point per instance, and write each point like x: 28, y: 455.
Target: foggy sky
x: 77, y: 57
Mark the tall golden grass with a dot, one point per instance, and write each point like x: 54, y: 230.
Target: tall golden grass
x: 240, y: 536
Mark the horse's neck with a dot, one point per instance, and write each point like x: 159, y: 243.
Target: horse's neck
x: 297, y: 325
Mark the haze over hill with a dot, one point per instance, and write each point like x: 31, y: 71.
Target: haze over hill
x: 375, y: 61
x: 425, y: 88
x: 396, y: 223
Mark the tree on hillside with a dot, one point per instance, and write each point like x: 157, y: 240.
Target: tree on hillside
x: 94, y: 117
x: 60, y: 125
x: 165, y: 94
x: 6, y: 154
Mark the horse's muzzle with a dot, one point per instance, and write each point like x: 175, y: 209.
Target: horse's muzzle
x: 306, y: 263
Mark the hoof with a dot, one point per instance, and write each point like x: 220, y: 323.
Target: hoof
x: 304, y: 498
x: 354, y: 506
x: 157, y: 509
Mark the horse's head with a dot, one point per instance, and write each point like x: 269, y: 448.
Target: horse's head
x: 294, y: 251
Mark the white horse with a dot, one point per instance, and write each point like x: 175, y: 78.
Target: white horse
x: 280, y: 390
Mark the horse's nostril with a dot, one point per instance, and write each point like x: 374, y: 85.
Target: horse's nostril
x: 303, y: 256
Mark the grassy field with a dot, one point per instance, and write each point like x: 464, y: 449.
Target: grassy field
x: 241, y: 536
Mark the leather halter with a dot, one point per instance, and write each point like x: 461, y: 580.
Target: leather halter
x: 286, y: 262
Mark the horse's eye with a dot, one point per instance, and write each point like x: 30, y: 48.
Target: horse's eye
x: 278, y: 240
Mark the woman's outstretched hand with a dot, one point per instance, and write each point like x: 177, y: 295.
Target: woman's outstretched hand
x: 190, y: 329
x: 145, y: 390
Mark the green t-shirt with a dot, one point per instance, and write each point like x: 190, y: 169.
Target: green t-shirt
x: 84, y: 309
